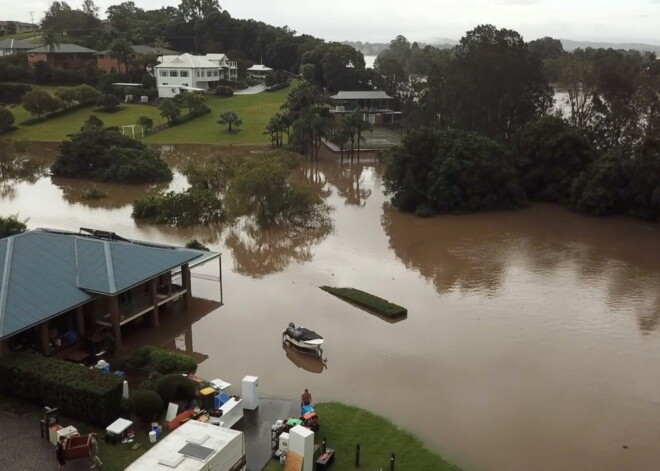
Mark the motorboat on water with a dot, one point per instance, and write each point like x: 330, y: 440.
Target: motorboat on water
x: 303, y: 339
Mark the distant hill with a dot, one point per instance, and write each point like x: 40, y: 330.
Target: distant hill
x: 373, y: 49
x: 570, y: 45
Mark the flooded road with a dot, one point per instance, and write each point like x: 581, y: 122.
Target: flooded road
x: 532, y: 338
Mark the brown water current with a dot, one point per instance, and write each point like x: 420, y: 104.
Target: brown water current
x: 532, y: 340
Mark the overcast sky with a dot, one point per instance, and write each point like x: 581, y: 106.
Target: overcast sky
x: 425, y: 20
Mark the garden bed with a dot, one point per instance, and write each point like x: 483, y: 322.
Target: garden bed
x: 369, y: 301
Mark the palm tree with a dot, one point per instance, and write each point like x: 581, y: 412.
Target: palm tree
x: 121, y: 50
x: 231, y: 119
x: 356, y: 123
x: 319, y: 131
x: 341, y: 136
x: 51, y: 41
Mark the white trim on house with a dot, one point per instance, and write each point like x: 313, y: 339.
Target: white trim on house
x: 188, y: 72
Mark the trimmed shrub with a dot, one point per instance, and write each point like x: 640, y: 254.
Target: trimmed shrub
x: 223, y: 91
x: 162, y: 361
x: 6, y: 119
x: 197, y: 245
x: 374, y: 303
x: 150, y: 382
x: 147, y: 405
x: 87, y: 394
x: 175, y: 388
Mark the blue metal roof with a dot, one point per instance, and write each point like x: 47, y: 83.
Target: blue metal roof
x: 44, y: 273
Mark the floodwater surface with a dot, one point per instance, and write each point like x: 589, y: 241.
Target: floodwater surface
x: 532, y: 337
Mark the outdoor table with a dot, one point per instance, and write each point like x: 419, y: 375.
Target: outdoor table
x: 118, y: 427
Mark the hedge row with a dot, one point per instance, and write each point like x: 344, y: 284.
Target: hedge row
x: 278, y: 86
x: 162, y: 361
x: 87, y: 394
x: 180, y: 120
x: 55, y: 114
x: 374, y: 303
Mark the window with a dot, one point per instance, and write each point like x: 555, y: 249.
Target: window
x: 198, y: 74
x: 216, y: 73
x: 184, y: 73
x: 174, y: 73
x: 209, y: 73
x: 163, y: 73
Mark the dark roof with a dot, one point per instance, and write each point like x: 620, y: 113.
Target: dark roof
x: 362, y: 95
x: 65, y: 49
x: 15, y: 44
x: 44, y: 273
x: 144, y: 50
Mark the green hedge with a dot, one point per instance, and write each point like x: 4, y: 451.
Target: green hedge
x: 374, y: 303
x: 54, y: 114
x: 162, y: 361
x: 87, y: 394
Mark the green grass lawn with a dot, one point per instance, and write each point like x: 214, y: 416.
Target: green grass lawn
x: 253, y: 110
x: 23, y: 36
x: 344, y: 426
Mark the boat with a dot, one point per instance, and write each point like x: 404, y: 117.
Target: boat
x: 303, y: 339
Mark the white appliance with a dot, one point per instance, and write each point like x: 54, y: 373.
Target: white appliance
x: 221, y: 386
x: 301, y: 441
x: 283, y: 445
x: 67, y: 432
x: 250, y: 390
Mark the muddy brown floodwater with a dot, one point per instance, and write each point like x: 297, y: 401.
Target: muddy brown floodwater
x: 532, y: 337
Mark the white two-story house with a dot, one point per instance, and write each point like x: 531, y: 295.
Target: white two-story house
x: 186, y: 72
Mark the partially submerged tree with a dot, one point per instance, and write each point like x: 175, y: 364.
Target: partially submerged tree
x: 11, y: 225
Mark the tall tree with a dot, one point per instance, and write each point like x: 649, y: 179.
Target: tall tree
x: 494, y: 85
x: 121, y: 50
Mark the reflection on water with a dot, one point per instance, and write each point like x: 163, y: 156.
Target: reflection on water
x: 117, y: 196
x: 532, y: 340
x: 18, y: 165
x: 259, y: 251
x: 308, y: 362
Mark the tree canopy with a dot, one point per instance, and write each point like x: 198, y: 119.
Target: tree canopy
x: 105, y: 154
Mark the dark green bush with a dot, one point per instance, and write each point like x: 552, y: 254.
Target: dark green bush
x: 369, y: 301
x: 223, y: 90
x: 162, y: 361
x: 105, y: 154
x: 150, y: 382
x: 197, y: 245
x: 90, y: 395
x: 147, y: 405
x: 189, y: 208
x: 175, y: 388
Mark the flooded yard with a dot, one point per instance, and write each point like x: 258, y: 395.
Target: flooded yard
x: 531, y: 340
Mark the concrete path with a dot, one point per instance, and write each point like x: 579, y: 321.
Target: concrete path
x: 256, y: 426
x: 251, y: 90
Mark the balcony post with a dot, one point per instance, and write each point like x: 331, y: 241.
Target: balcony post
x: 113, y: 305
x: 155, y: 316
x: 185, y: 279
x: 44, y: 342
x: 80, y: 320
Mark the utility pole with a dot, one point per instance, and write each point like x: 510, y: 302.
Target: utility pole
x: 34, y: 30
